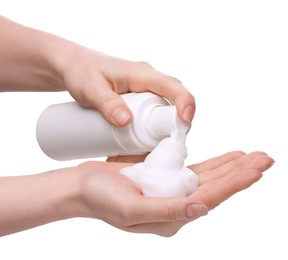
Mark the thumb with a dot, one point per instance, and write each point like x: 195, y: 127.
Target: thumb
x: 171, y: 209
x: 119, y: 116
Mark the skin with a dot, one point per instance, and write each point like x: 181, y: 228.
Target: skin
x: 44, y: 62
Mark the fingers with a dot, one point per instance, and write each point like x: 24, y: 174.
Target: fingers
x: 143, y: 77
x: 256, y: 160
x: 216, y: 162
x: 220, y: 183
x: 214, y: 193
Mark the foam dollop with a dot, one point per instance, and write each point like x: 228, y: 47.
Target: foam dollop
x: 163, y: 174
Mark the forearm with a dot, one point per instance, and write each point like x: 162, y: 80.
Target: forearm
x: 30, y: 60
x: 34, y: 200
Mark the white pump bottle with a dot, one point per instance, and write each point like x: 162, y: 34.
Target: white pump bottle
x: 68, y: 131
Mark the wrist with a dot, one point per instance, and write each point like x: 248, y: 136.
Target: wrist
x: 68, y: 199
x: 33, y: 200
x: 72, y: 199
x: 56, y: 53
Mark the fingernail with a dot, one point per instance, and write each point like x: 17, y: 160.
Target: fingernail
x: 121, y: 115
x: 188, y: 113
x: 196, y: 210
x: 273, y: 162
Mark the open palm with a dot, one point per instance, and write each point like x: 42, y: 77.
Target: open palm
x: 126, y: 208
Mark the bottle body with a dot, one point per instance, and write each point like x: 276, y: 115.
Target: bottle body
x: 68, y: 131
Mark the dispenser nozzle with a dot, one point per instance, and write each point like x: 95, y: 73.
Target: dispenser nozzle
x: 164, y: 121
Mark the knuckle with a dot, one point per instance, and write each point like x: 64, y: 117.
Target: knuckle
x: 143, y: 65
x: 174, y: 80
x: 83, y: 95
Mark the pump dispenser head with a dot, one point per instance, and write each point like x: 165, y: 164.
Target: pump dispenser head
x: 164, y: 121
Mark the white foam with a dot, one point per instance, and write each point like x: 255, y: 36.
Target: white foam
x: 163, y: 174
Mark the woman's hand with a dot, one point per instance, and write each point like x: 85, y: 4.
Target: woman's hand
x: 96, y: 80
x: 115, y: 199
x: 45, y: 62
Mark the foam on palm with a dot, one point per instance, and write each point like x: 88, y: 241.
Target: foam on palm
x: 163, y: 174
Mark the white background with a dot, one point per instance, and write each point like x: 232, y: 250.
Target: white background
x: 232, y: 55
